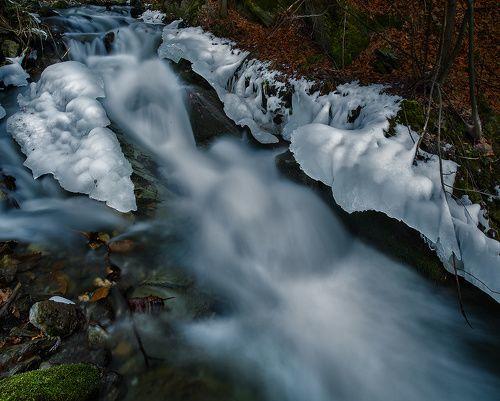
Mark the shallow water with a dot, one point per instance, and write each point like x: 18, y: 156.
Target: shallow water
x: 310, y: 313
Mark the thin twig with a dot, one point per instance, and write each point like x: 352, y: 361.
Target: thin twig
x: 457, y: 281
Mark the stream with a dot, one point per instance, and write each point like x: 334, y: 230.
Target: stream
x: 304, y: 311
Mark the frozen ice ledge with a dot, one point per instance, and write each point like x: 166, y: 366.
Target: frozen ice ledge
x: 339, y: 139
x: 61, y: 129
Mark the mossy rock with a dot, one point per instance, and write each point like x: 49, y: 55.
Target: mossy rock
x: 411, y: 113
x: 342, y: 32
x: 10, y: 48
x: 261, y: 12
x: 187, y: 9
x: 78, y: 382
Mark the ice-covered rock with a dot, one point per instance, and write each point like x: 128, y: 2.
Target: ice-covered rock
x: 152, y: 17
x: 338, y: 139
x: 368, y: 171
x: 13, y: 73
x: 239, y: 83
x: 61, y: 130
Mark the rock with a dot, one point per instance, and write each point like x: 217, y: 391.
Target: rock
x: 75, y: 382
x: 8, y: 269
x: 386, y: 61
x: 100, y: 312
x: 109, y: 38
x: 111, y: 386
x: 10, y: 48
x: 97, y: 337
x: 288, y: 166
x: 26, y: 356
x: 56, y: 318
x: 261, y: 10
x: 76, y: 349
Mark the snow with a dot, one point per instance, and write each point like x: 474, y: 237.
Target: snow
x: 61, y: 128
x: 13, y: 73
x: 61, y: 300
x: 2, y: 112
x: 339, y: 139
x: 152, y: 17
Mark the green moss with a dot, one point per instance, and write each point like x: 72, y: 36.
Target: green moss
x: 187, y: 10
x: 263, y: 15
x: 77, y: 382
x: 411, y: 113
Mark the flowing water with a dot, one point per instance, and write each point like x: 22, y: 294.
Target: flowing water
x: 311, y: 313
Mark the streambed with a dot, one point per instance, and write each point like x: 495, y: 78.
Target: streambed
x: 288, y: 304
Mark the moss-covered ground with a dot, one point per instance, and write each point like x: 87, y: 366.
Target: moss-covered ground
x: 78, y: 382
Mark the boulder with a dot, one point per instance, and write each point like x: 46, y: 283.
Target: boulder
x: 56, y: 318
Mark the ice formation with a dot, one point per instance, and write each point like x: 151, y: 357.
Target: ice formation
x: 2, y: 112
x: 13, y: 73
x: 239, y: 83
x: 339, y: 140
x: 61, y: 128
x: 152, y: 17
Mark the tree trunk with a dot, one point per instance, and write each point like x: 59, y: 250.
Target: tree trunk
x: 476, y: 121
x: 223, y: 8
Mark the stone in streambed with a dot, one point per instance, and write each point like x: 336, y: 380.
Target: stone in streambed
x: 56, y: 318
x: 26, y: 356
x: 78, y: 349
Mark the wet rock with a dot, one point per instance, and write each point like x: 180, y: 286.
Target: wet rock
x: 100, y: 312
x: 75, y: 382
x: 26, y: 356
x: 288, y: 166
x: 111, y: 387
x: 56, y: 318
x: 97, y: 337
x: 10, y: 48
x: 76, y: 349
x: 25, y: 365
x: 109, y: 38
x: 354, y: 114
x: 8, y: 269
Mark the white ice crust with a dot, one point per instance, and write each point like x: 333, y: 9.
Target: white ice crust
x: 339, y: 139
x: 152, y: 17
x: 61, y: 128
x: 13, y: 74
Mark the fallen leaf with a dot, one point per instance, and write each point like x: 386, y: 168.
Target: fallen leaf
x: 149, y: 304
x: 62, y: 281
x: 99, y: 282
x: 100, y: 293
x: 84, y: 298
x: 122, y: 246
x: 5, y: 294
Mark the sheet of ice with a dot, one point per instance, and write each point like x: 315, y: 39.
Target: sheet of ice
x: 61, y: 130
x: 368, y: 171
x: 239, y: 83
x: 2, y: 112
x: 61, y: 300
x: 339, y: 139
x: 152, y: 17
x: 13, y: 73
